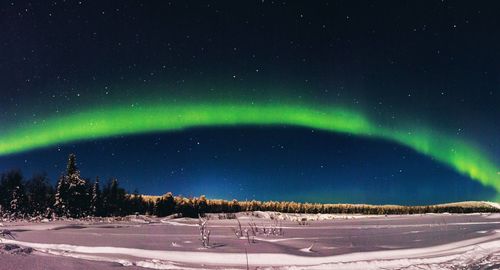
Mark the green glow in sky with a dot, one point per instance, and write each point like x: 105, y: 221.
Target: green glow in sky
x: 122, y: 120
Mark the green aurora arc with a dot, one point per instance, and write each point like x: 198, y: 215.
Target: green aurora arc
x: 121, y: 120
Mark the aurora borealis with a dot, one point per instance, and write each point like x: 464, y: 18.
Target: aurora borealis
x: 122, y: 121
x: 371, y: 102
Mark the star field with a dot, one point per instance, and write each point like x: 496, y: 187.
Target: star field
x: 106, y: 80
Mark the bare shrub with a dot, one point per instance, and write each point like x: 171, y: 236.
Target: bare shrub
x: 204, y: 232
x: 238, y: 231
x: 277, y: 229
x: 253, y: 230
x: 250, y: 238
x: 6, y: 234
x: 303, y: 222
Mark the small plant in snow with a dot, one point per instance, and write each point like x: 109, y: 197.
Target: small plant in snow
x: 303, y: 222
x: 254, y: 228
x: 238, y: 231
x: 250, y: 238
x: 6, y: 234
x: 249, y: 233
x: 204, y: 232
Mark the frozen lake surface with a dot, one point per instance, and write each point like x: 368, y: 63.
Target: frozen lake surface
x: 431, y: 241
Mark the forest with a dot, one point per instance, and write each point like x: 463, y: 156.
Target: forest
x: 76, y: 197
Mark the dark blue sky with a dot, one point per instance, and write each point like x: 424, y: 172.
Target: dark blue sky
x: 264, y: 163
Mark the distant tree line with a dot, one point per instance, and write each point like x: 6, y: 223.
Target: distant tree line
x: 169, y: 204
x: 74, y: 196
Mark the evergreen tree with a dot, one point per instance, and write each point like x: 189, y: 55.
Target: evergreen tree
x: 71, y: 168
x: 135, y: 204
x: 96, y: 202
x: 234, y: 206
x: 202, y: 205
x: 165, y: 205
x: 72, y: 195
x: 12, y: 192
x: 114, y: 199
x: 40, y: 194
x: 79, y: 197
x: 186, y: 207
x: 18, y: 201
x: 61, y: 197
x: 169, y: 203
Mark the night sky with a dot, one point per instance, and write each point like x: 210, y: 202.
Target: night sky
x: 321, y: 101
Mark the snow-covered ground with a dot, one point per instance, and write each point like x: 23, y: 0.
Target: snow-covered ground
x: 303, y: 217
x: 447, y: 241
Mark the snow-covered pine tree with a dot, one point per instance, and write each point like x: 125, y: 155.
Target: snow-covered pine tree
x: 71, y: 168
x: 12, y: 184
x: 95, y: 201
x: 72, y: 196
x: 61, y: 197
x: 78, y: 200
x: 17, y: 202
